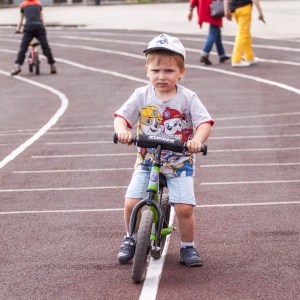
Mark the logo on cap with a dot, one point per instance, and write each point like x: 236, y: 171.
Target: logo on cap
x: 162, y: 40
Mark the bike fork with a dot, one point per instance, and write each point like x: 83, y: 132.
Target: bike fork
x: 134, y: 214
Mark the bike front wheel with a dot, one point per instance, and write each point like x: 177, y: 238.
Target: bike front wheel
x: 142, y: 247
x: 166, y: 211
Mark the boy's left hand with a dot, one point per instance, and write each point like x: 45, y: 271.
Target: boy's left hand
x: 194, y: 146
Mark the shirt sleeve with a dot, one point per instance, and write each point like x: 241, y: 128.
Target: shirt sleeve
x: 129, y: 111
x: 199, y: 113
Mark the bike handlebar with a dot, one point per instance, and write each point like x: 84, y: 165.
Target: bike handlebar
x: 149, y: 141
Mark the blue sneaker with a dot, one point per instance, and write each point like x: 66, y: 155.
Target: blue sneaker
x: 127, y: 250
x: 190, y: 257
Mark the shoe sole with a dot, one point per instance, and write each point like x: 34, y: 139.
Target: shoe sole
x: 15, y: 73
x: 192, y: 265
x: 224, y: 60
x: 124, y: 260
x: 239, y: 66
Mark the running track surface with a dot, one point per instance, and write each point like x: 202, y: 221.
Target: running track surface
x: 63, y: 180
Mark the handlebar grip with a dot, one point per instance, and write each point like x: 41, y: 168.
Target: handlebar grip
x: 204, y: 149
x: 115, y: 138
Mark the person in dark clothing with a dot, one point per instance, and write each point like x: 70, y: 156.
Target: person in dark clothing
x: 31, y: 10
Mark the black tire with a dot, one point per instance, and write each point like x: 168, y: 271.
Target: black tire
x: 36, y: 62
x: 142, y: 247
x: 30, y: 65
x: 166, y: 210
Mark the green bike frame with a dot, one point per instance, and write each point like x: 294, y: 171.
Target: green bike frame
x: 153, y: 202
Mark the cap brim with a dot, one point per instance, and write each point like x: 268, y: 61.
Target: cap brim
x: 154, y: 48
x: 161, y: 48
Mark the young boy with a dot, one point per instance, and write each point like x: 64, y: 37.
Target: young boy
x: 34, y: 27
x: 164, y: 108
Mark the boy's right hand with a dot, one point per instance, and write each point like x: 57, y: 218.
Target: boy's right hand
x: 125, y: 137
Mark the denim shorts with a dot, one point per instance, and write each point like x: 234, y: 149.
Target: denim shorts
x: 181, y: 189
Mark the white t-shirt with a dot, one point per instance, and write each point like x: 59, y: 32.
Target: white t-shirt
x: 176, y: 118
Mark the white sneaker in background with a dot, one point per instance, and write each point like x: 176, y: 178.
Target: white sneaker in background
x: 240, y: 64
x: 253, y: 61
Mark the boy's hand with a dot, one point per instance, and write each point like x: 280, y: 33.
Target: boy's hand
x: 194, y: 146
x: 125, y: 137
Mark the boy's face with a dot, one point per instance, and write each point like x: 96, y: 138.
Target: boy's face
x: 163, y: 74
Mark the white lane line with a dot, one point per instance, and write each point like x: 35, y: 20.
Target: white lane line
x: 248, y: 204
x: 47, y: 126
x: 251, y: 165
x: 124, y: 187
x: 258, y: 79
x: 179, y: 36
x: 84, y: 38
x: 255, y: 126
x: 89, y: 48
x: 75, y: 170
x: 129, y: 154
x: 154, y: 269
x: 83, y: 127
x: 117, y: 74
x: 254, y: 136
x: 111, y: 132
x: 54, y: 131
x: 282, y: 62
x: 249, y: 182
x: 131, y: 169
x: 58, y: 129
x: 255, y: 149
x: 297, y: 113
x: 71, y: 37
x: 97, y: 210
x: 142, y: 57
x: 60, y: 133
x: 216, y: 127
x: 79, y: 143
x: 99, y: 50
x: 82, y: 155
x: 64, y: 189
x: 58, y: 211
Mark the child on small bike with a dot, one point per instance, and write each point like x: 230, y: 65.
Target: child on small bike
x: 34, y: 27
x: 165, y: 108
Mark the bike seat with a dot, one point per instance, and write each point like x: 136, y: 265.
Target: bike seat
x: 34, y: 43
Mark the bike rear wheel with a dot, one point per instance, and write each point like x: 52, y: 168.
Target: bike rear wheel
x: 30, y: 63
x: 36, y: 62
x: 142, y: 247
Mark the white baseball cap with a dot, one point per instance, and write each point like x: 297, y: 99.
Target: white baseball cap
x: 166, y: 42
